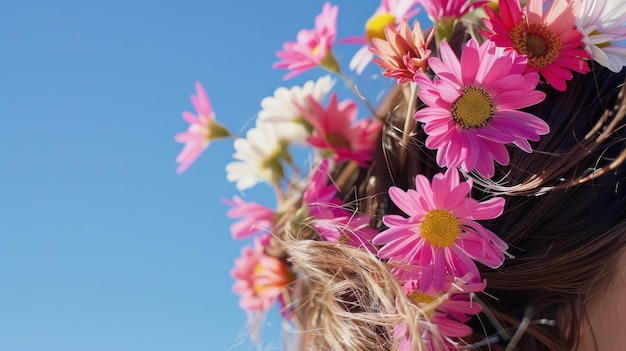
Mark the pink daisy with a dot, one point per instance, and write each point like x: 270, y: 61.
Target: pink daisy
x: 473, y: 107
x: 332, y: 221
x: 388, y: 13
x: 259, y: 279
x: 254, y: 218
x: 336, y: 135
x: 202, y: 129
x: 550, y: 40
x: 313, y: 47
x: 404, y: 53
x: 440, y: 237
x: 449, y: 310
x: 320, y: 195
x: 350, y: 229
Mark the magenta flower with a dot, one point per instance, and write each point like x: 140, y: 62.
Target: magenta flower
x: 313, y: 47
x: 441, y: 236
x: 259, y: 279
x: 254, y: 218
x: 389, y: 13
x: 329, y: 217
x: 473, y: 107
x: 449, y: 310
x: 349, y: 229
x: 549, y: 38
x: 202, y: 129
x: 336, y: 135
x: 320, y: 195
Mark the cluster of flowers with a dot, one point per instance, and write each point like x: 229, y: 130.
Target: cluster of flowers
x: 473, y: 112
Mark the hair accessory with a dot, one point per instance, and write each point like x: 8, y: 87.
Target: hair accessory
x: 462, y: 86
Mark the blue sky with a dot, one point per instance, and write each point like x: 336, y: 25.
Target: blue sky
x: 102, y: 245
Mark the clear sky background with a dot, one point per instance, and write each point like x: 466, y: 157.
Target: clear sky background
x: 102, y: 245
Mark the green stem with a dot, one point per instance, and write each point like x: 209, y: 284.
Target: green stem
x: 444, y: 29
x: 330, y: 63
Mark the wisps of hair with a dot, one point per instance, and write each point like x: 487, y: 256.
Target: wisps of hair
x: 562, y: 152
x: 347, y: 299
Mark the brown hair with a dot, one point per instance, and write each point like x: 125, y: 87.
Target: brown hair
x: 564, y: 220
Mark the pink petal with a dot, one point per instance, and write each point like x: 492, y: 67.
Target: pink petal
x: 202, y: 104
x: 426, y: 262
x: 489, y: 209
x: 190, y: 118
x: 450, y: 60
x: 404, y: 202
x: 470, y: 64
x: 439, y: 270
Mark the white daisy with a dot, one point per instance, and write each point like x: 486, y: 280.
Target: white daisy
x: 260, y: 154
x: 282, y: 108
x: 603, y: 26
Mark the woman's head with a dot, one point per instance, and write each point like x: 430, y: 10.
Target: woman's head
x: 480, y: 207
x: 564, y: 219
x: 566, y: 241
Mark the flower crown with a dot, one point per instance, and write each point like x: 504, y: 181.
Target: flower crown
x: 468, y: 99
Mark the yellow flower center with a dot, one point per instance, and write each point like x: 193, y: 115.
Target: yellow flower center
x: 440, y: 228
x: 375, y: 26
x: 538, y: 42
x: 421, y: 299
x: 424, y: 302
x: 473, y: 109
x: 258, y: 288
x: 315, y: 50
x: 601, y: 45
